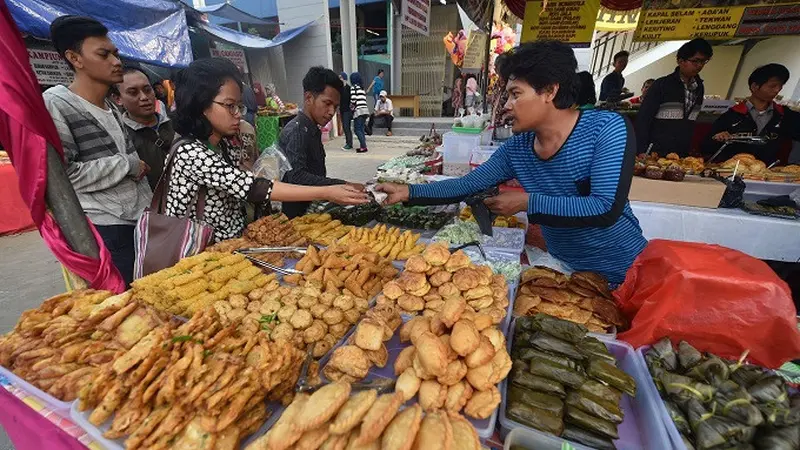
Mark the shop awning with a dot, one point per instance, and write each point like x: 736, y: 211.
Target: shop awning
x: 230, y: 12
x: 248, y: 40
x: 152, y: 31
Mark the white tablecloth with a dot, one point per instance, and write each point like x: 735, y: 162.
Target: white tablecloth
x: 758, y: 236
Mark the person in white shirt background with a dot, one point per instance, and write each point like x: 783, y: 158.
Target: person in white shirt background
x: 384, y: 110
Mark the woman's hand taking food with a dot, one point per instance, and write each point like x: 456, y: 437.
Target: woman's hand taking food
x: 343, y: 194
x: 397, y: 193
x: 508, y: 203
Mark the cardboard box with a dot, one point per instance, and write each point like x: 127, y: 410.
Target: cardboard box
x: 692, y: 191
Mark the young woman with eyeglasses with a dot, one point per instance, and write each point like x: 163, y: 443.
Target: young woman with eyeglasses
x: 209, y: 108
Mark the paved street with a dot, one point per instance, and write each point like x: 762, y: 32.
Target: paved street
x: 30, y: 273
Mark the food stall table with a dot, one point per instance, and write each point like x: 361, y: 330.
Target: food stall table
x: 16, y: 216
x: 758, y: 236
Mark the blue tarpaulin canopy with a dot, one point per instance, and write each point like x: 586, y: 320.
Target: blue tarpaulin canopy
x: 152, y: 31
x: 230, y: 12
x: 248, y: 40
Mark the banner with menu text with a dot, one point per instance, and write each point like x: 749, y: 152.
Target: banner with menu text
x: 662, y: 20
x: 567, y: 21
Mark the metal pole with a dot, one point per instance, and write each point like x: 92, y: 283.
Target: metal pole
x: 487, y: 51
x: 66, y: 209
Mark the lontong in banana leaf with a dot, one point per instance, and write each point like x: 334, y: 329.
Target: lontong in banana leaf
x: 567, y: 376
x: 678, y: 418
x: 656, y: 369
x: 526, y: 353
x: 610, y: 374
x: 591, y: 423
x: 770, y: 389
x: 711, y: 431
x: 592, y: 347
x: 712, y: 371
x: 734, y: 402
x: 595, y: 406
x: 562, y: 329
x: 549, y: 343
x: 786, y: 438
x: 525, y: 379
x: 687, y: 442
x: 602, y: 391
x: 747, y: 375
x: 538, y: 400
x: 664, y: 351
x: 685, y: 388
x: 780, y: 416
x: 589, y: 439
x: 688, y: 356
x: 535, y: 418
x: 519, y: 364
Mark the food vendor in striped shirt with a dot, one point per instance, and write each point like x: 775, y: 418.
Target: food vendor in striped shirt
x: 575, y: 166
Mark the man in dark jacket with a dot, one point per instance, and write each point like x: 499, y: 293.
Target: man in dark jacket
x: 301, y: 139
x: 151, y: 131
x: 759, y: 115
x: 612, y: 88
x: 668, y: 113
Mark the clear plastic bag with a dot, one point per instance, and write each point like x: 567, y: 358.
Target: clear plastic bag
x: 272, y: 164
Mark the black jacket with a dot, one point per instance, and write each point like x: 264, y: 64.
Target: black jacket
x: 737, y: 120
x: 665, y: 119
x: 152, y: 146
x: 344, y: 104
x: 301, y: 142
x: 611, y: 87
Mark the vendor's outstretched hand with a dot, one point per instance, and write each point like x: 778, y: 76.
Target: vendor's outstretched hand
x: 722, y: 136
x: 508, y: 203
x: 398, y: 193
x: 343, y: 194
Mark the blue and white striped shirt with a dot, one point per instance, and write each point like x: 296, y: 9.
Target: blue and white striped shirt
x: 579, y: 195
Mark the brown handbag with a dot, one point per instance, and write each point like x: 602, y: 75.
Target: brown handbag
x: 162, y: 240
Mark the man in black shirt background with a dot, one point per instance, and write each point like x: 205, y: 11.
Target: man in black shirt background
x: 301, y: 139
x: 613, y: 87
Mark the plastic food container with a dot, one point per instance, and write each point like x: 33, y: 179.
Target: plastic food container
x: 480, y: 155
x: 529, y: 440
x: 643, y: 426
x: 649, y: 384
x: 506, y: 240
x: 59, y: 407
x: 458, y: 148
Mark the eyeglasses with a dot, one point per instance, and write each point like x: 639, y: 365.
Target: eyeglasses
x: 233, y: 108
x: 699, y: 62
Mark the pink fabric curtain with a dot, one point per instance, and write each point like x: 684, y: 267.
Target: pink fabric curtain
x: 25, y: 129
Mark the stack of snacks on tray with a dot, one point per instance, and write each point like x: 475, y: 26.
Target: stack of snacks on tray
x: 60, y: 346
x: 231, y: 245
x: 565, y: 383
x: 365, y: 347
x: 500, y: 262
x: 320, y: 228
x: 274, y: 231
x: 199, y: 281
x: 499, y: 221
x: 198, y: 385
x: 583, y: 298
x: 355, y: 268
x: 336, y: 417
x: 438, y: 280
x: 387, y: 242
x: 455, y: 361
x: 716, y: 403
x: 418, y: 217
x: 358, y: 215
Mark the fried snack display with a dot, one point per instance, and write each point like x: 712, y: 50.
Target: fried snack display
x: 565, y: 382
x: 231, y: 245
x: 454, y: 366
x: 388, y: 242
x: 366, y: 347
x: 439, y: 282
x: 60, y: 346
x: 583, y: 298
x: 197, y: 385
x: 336, y: 418
x: 499, y: 221
x: 320, y: 228
x: 199, y: 281
x: 274, y: 231
x: 354, y: 268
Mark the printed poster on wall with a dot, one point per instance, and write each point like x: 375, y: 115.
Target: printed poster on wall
x: 235, y: 55
x: 417, y: 15
x: 475, y: 54
x: 49, y: 67
x: 664, y: 21
x: 567, y: 21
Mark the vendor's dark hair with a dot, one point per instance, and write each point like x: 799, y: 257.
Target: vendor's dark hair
x: 543, y: 64
x: 764, y: 73
x: 622, y: 54
x: 697, y: 45
x: 587, y: 94
x: 380, y: 71
x: 195, y: 89
x: 318, y: 78
x: 69, y: 32
x: 114, y: 89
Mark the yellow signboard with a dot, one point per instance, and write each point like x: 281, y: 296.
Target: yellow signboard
x: 610, y: 20
x: 567, y: 21
x: 718, y: 23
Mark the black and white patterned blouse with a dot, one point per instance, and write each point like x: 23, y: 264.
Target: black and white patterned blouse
x: 227, y: 187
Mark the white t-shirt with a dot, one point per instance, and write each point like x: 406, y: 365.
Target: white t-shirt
x: 107, y: 120
x: 385, y: 106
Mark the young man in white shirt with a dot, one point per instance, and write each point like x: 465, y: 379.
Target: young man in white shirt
x: 384, y: 110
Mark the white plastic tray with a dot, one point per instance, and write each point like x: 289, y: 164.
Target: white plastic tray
x: 59, y: 407
x: 649, y: 384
